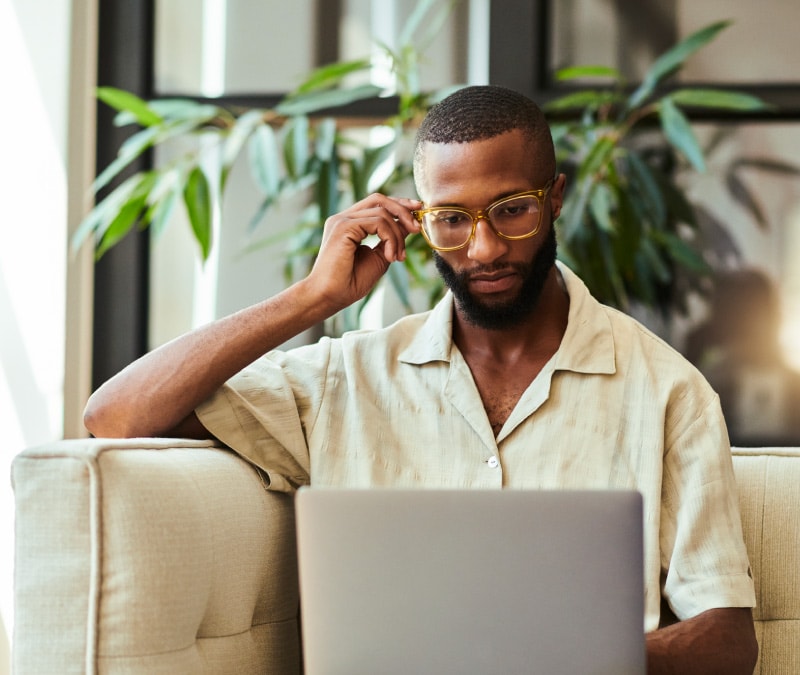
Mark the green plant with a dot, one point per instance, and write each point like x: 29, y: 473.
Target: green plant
x: 627, y: 226
x: 297, y: 147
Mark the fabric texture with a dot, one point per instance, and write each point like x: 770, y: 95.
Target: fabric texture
x: 768, y: 480
x: 144, y: 556
x: 615, y: 407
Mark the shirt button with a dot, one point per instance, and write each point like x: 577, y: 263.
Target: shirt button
x: 492, y: 462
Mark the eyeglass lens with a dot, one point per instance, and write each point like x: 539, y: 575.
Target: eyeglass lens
x: 513, y: 217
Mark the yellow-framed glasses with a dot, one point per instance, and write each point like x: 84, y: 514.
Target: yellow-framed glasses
x: 518, y: 216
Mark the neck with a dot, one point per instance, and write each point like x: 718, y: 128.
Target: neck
x: 537, y: 336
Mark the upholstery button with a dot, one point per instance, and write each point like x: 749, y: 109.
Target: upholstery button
x: 492, y: 462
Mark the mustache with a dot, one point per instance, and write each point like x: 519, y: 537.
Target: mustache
x: 493, y: 268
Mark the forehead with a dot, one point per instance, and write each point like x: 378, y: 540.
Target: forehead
x: 478, y: 172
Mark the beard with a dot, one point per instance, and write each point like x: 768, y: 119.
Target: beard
x: 509, y: 313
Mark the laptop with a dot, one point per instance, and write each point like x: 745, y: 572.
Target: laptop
x: 470, y: 581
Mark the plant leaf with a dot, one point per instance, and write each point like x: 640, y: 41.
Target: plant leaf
x: 325, y: 141
x: 261, y: 211
x: 412, y: 24
x: 161, y: 211
x: 197, y: 197
x: 295, y: 146
x: 648, y: 187
x: 683, y: 253
x: 323, y: 100
x: 676, y: 202
x: 130, y: 103
x: 599, y: 155
x: 330, y: 75
x: 263, y: 157
x: 428, y: 31
x: 582, y: 72
x: 98, y: 219
x: 327, y: 192
x: 574, y: 210
x: 672, y: 60
x: 679, y: 132
x: 184, y: 109
x: 398, y: 278
x: 591, y: 99
x: 236, y: 139
x: 655, y: 263
x: 128, y: 214
x: 717, y: 98
x: 600, y: 205
x: 132, y: 148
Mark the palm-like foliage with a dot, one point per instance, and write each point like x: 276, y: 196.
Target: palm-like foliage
x: 626, y: 228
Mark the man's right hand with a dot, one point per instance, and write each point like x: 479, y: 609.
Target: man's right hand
x: 347, y: 268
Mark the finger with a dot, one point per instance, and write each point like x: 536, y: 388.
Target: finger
x: 392, y: 223
x: 357, y: 224
x: 400, y: 209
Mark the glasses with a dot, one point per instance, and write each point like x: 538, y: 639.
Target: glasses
x: 449, y: 228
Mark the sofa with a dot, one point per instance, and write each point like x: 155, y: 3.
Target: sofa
x: 169, y: 556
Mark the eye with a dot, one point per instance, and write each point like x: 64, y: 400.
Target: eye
x: 451, y: 218
x: 514, y: 208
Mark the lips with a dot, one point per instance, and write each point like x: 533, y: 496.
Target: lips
x: 493, y: 283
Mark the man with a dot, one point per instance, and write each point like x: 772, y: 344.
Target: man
x: 518, y: 378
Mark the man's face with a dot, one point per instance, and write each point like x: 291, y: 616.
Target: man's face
x: 496, y: 282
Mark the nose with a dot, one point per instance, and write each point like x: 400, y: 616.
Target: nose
x: 485, y: 246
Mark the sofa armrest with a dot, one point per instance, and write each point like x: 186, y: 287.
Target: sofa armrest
x: 768, y: 481
x: 151, y: 556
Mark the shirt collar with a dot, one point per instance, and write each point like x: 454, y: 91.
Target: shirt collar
x: 434, y: 340
x: 587, y: 345
x: 588, y: 342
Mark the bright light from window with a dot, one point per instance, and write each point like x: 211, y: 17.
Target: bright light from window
x: 33, y: 42
x: 790, y: 287
x: 790, y: 341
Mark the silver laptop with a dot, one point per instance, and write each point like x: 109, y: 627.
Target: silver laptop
x: 471, y: 581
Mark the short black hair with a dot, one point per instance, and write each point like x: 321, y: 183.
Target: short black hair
x: 480, y: 112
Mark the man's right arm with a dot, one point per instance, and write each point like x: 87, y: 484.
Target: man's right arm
x: 157, y: 394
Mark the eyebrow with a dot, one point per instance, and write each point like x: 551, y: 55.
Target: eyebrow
x: 497, y: 198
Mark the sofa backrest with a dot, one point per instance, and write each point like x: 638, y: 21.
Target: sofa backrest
x: 768, y: 480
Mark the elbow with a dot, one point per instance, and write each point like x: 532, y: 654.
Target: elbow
x: 101, y: 421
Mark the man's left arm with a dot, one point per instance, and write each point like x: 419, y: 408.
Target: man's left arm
x: 716, y: 641
x: 707, y: 575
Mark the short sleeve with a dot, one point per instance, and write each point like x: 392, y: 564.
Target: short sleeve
x: 266, y: 410
x: 704, y: 559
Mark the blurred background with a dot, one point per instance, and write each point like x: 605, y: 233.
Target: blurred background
x: 68, y: 323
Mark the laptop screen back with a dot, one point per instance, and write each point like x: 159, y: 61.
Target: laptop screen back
x: 473, y: 581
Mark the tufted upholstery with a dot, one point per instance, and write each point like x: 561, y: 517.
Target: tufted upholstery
x: 166, y: 556
x: 769, y: 496
x: 170, y: 560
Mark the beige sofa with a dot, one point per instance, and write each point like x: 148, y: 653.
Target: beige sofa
x: 164, y: 556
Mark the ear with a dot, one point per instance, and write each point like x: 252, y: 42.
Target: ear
x: 557, y: 195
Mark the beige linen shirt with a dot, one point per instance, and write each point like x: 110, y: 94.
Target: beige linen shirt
x: 615, y: 407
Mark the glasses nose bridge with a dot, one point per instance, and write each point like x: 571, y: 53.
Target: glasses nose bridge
x: 480, y: 214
